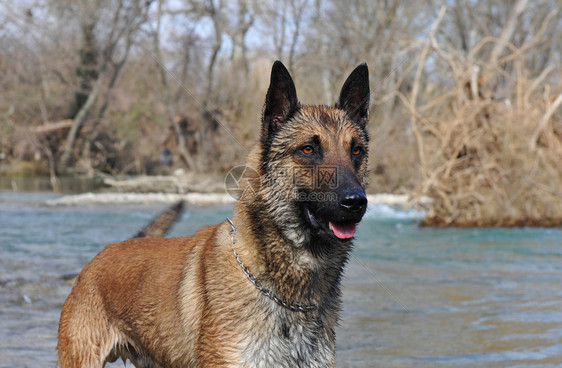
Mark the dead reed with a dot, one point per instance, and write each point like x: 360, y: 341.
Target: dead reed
x: 490, y: 147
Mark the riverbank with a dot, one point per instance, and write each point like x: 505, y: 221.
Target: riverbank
x: 197, y: 190
x: 200, y: 199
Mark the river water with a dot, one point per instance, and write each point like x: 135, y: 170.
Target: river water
x: 413, y: 297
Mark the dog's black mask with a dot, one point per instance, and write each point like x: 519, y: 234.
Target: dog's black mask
x: 333, y: 213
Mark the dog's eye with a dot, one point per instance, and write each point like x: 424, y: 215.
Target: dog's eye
x: 357, y: 151
x: 307, y: 150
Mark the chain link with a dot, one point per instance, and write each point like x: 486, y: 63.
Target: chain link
x: 292, y: 306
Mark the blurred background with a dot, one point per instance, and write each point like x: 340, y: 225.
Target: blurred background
x: 466, y: 95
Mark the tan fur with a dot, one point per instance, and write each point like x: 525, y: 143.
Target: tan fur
x: 187, y: 284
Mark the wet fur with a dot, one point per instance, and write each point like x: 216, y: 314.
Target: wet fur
x: 185, y: 302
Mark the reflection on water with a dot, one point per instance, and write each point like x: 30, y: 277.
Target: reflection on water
x: 413, y: 297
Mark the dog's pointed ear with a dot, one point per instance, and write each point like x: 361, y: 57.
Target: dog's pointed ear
x: 355, y: 95
x: 280, y: 102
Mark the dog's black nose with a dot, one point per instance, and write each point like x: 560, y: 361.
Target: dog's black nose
x: 354, y: 201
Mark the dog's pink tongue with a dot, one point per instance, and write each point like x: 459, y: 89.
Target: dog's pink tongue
x: 343, y: 230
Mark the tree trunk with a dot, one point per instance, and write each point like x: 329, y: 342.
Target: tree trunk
x: 76, y: 125
x: 203, y: 142
x: 185, y: 155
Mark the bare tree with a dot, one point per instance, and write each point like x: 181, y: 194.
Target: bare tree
x: 245, y: 17
x: 169, y: 99
x: 284, y: 21
x: 214, y: 11
x: 125, y: 18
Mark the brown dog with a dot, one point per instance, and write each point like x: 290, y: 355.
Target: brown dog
x: 262, y: 290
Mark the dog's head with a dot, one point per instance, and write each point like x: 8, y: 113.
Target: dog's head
x: 313, y: 162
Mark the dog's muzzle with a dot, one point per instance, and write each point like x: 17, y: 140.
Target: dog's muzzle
x: 338, y: 217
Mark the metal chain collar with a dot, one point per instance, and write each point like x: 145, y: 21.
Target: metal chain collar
x: 292, y: 306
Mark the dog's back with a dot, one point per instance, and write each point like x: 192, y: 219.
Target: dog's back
x: 131, y: 286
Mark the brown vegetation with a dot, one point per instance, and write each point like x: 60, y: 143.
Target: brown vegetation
x: 492, y: 159
x: 466, y: 104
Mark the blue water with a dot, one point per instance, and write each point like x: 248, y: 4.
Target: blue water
x: 413, y: 297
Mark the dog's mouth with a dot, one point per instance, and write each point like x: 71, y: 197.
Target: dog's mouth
x: 342, y: 230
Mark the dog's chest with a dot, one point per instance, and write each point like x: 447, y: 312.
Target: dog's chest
x: 289, y: 339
